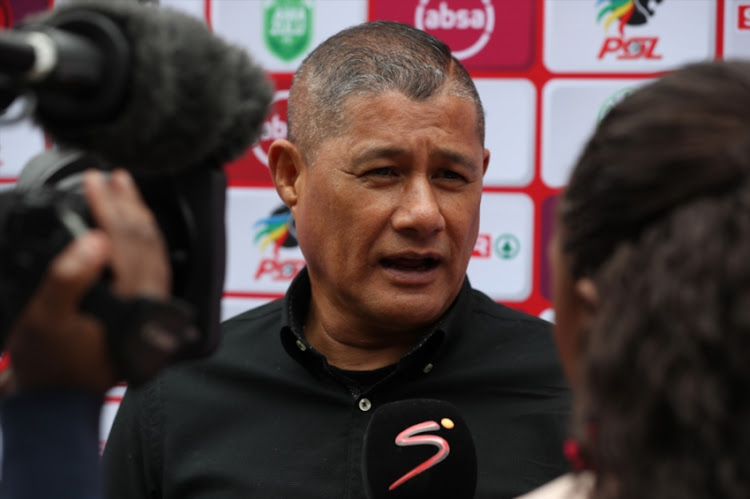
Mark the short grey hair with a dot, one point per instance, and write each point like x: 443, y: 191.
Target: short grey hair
x: 369, y: 59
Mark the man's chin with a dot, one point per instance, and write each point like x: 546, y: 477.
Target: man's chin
x: 409, y: 314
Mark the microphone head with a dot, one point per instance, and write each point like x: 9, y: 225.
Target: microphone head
x: 189, y: 97
x: 418, y: 448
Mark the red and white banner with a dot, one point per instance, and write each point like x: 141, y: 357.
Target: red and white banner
x: 547, y: 71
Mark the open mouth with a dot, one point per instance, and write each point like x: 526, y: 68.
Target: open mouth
x: 411, y: 264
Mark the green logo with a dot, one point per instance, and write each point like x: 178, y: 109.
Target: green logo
x: 507, y: 246
x: 287, y: 27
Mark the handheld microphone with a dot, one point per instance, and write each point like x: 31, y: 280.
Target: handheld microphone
x: 152, y: 90
x: 148, y: 88
x: 418, y: 448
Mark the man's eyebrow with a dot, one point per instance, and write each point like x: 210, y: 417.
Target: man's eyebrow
x: 371, y: 153
x: 454, y: 157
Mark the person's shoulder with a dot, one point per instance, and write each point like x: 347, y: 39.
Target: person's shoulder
x: 495, y: 311
x: 255, y: 318
x: 511, y: 340
x: 272, y: 308
x: 247, y: 336
x: 256, y: 328
x: 241, y: 336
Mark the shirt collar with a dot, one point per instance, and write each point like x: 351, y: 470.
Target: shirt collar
x: 432, y: 346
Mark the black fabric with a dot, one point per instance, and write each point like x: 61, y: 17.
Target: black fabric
x: 264, y: 418
x: 364, y: 379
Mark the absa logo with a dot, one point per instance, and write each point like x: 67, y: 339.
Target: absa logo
x: 274, y: 127
x: 466, y: 28
x: 627, y: 13
x: 251, y: 168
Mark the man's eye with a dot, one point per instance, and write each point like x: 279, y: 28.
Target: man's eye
x: 382, y: 172
x: 450, y: 175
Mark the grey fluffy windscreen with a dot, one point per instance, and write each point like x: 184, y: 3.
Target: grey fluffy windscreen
x: 192, y: 98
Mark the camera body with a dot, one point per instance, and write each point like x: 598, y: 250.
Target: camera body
x: 34, y: 227
x: 46, y: 210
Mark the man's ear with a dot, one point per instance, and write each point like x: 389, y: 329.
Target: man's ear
x: 286, y: 164
x: 486, y: 161
x: 586, y: 290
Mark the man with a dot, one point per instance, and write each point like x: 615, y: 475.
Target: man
x: 383, y: 173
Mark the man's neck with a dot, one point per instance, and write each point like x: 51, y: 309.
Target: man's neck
x: 348, y: 346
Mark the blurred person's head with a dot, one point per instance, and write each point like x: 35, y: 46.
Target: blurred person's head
x: 652, y: 288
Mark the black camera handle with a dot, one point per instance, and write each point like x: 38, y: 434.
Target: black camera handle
x: 143, y: 334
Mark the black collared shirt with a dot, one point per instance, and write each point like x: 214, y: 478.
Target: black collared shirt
x: 263, y: 418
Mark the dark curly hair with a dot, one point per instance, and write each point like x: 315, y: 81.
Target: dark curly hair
x: 657, y: 213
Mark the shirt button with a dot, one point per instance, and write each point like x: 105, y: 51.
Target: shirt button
x: 427, y: 368
x: 301, y: 345
x: 365, y: 404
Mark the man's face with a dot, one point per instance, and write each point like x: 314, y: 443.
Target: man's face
x: 388, y: 214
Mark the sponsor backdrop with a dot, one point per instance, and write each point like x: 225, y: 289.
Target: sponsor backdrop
x: 547, y: 71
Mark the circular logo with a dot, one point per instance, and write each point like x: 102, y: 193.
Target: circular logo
x: 467, y: 30
x: 274, y: 127
x: 507, y: 246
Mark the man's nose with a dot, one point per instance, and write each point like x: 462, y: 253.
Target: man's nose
x: 419, y: 209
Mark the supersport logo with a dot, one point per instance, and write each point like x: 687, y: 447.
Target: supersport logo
x: 409, y: 437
